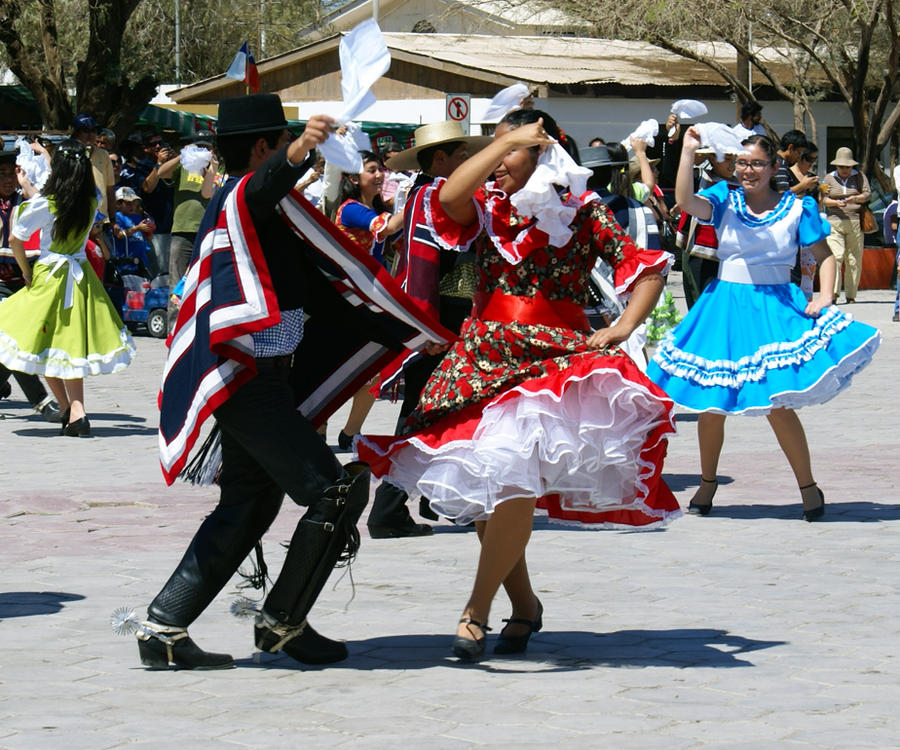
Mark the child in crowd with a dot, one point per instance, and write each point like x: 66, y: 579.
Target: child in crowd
x: 133, y: 228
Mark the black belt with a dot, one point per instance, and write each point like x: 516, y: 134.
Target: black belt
x: 274, y: 363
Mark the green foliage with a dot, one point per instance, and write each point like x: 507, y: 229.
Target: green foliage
x: 664, y: 317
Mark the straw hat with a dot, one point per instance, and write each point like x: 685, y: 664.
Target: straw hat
x: 434, y: 134
x: 844, y: 158
x: 634, y: 166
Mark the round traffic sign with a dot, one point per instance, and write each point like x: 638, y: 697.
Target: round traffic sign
x: 457, y: 109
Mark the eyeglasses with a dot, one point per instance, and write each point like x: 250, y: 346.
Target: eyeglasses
x: 755, y: 164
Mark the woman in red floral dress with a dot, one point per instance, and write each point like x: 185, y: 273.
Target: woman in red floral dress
x: 530, y: 411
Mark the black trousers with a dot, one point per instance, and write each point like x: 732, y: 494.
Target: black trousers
x: 31, y: 386
x: 389, y: 506
x: 268, y: 449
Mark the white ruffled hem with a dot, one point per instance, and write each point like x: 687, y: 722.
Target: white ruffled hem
x: 830, y: 384
x: 57, y: 363
x: 584, y: 445
x: 755, y: 367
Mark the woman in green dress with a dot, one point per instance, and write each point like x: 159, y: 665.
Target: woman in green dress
x: 62, y: 324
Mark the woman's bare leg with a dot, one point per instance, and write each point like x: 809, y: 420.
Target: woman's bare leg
x: 58, y: 388
x: 503, y: 541
x: 792, y: 439
x: 75, y: 393
x: 519, y: 590
x: 359, y: 410
x: 710, y: 436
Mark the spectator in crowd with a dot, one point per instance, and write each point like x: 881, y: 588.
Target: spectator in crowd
x: 311, y: 184
x: 106, y: 139
x: 133, y: 227
x: 803, y: 169
x: 11, y: 281
x: 790, y: 149
x: 134, y: 166
x: 847, y: 192
x: 749, y: 124
x: 158, y: 194
x: 192, y: 194
x: 597, y: 141
x: 84, y: 130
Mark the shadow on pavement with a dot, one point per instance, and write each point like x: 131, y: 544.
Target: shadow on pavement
x: 858, y: 512
x: 96, y: 430
x: 558, y: 651
x: 28, y: 603
x: 682, y: 482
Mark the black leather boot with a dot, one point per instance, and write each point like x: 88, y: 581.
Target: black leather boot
x: 161, y: 645
x: 300, y: 642
x: 324, y: 536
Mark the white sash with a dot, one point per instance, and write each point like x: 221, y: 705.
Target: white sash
x: 74, y: 272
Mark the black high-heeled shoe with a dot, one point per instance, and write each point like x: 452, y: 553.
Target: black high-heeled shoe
x: 814, y: 514
x: 469, y: 649
x: 698, y: 509
x: 64, y: 420
x: 78, y: 428
x: 162, y: 645
x: 516, y: 644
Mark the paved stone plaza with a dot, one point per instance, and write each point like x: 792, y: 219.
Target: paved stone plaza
x: 745, y: 629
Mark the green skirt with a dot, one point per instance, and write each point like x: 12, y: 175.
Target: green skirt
x: 40, y: 336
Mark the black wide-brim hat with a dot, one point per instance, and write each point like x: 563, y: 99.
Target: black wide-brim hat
x: 254, y: 113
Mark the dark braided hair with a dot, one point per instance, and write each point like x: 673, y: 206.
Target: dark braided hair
x: 71, y: 186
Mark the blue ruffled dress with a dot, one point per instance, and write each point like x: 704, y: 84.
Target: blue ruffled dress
x: 747, y: 346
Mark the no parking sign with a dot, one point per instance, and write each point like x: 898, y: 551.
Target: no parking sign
x: 459, y: 110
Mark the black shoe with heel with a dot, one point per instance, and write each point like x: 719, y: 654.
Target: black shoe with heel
x: 78, y: 428
x: 516, y: 644
x: 162, y: 645
x: 698, y: 509
x: 470, y: 649
x: 814, y: 514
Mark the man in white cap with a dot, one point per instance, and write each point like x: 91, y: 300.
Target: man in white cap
x: 426, y: 271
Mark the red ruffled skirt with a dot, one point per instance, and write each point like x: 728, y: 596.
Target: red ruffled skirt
x: 528, y: 411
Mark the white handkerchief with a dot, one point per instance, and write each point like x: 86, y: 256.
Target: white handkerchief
x: 505, y: 101
x: 646, y: 131
x: 688, y: 109
x: 539, y: 199
x: 359, y: 136
x: 720, y: 138
x: 34, y: 165
x: 342, y: 152
x: 194, y: 158
x: 364, y: 59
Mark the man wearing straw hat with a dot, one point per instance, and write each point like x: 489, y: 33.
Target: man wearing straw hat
x: 435, y: 277
x: 847, y: 191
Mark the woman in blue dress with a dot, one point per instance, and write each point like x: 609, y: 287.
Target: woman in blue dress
x: 752, y: 344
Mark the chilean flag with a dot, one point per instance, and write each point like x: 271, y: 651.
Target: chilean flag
x: 243, y: 68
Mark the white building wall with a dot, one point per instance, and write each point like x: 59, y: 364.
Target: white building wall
x: 587, y: 117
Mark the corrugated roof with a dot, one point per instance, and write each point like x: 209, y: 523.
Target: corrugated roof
x: 565, y: 60
x: 541, y: 60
